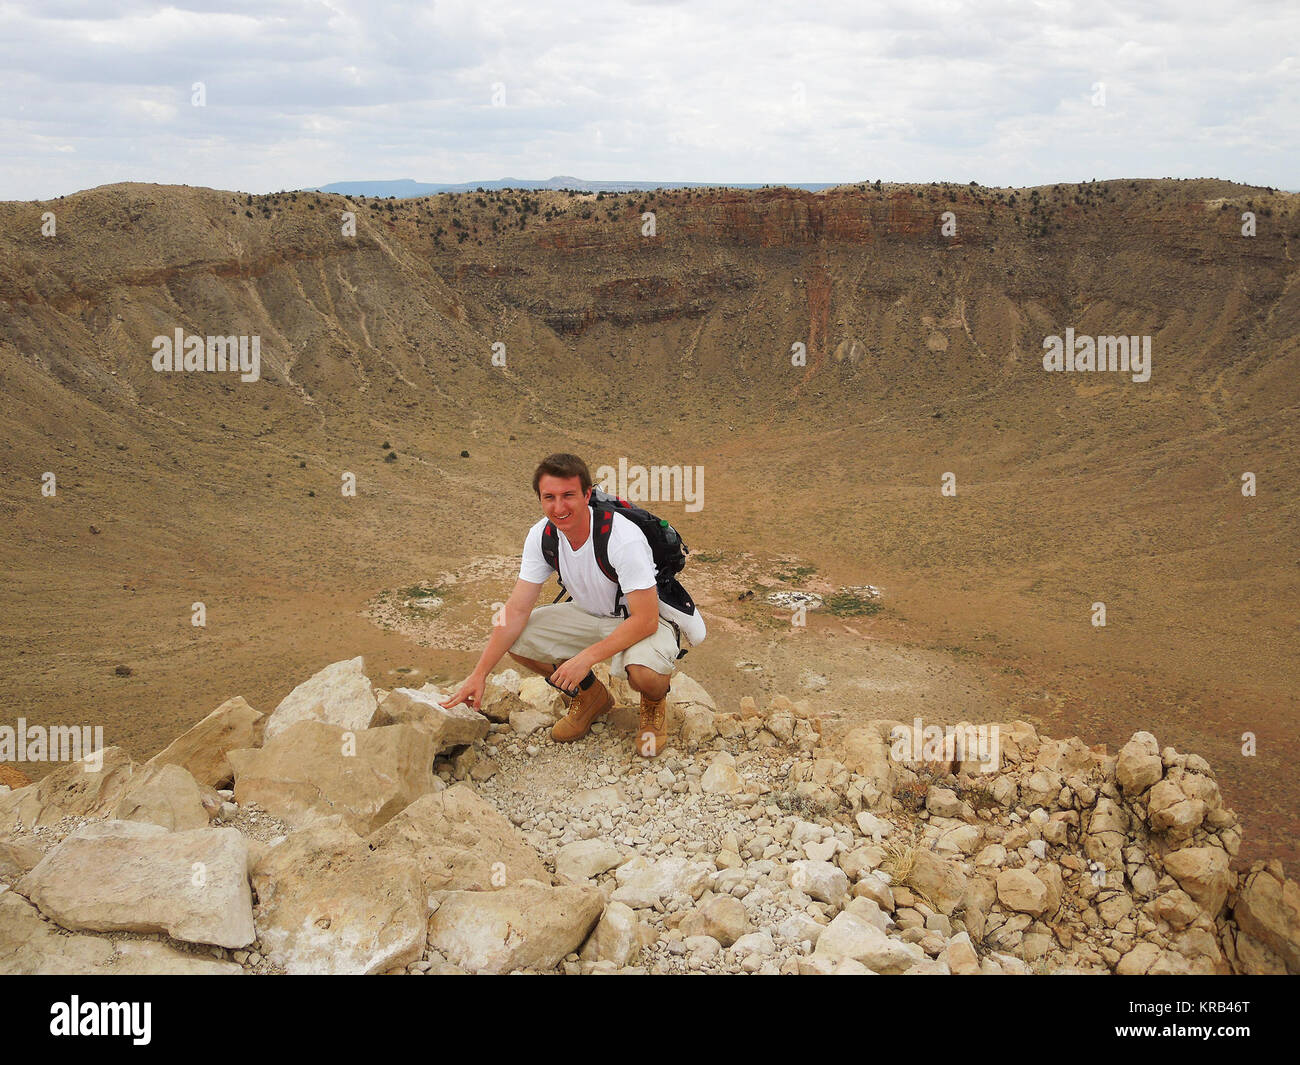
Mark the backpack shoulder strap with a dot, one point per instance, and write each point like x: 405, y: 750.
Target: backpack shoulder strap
x: 551, y: 552
x: 601, y: 528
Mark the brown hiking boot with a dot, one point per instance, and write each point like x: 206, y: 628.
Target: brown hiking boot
x: 650, y: 733
x: 584, y: 708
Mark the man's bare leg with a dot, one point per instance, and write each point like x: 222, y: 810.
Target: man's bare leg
x: 654, y: 686
x: 544, y: 668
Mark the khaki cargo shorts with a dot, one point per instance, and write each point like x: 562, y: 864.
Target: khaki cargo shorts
x: 557, y: 632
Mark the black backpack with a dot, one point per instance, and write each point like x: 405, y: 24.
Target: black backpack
x: 665, y: 544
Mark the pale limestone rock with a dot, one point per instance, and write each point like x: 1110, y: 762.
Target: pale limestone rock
x: 17, y: 857
x: 1138, y: 960
x: 121, y: 876
x: 340, y: 694
x: 961, y: 957
x: 541, y: 696
x: 685, y: 692
x: 616, y: 937
x: 1203, y: 873
x: 586, y: 858
x: 697, y: 727
x: 721, y: 777
x: 821, y: 880
x: 941, y: 881
x: 1139, y: 765
x: 642, y: 882
x: 327, y: 904
x: 849, y: 936
x: 1172, y: 812
x: 312, y: 770
x: 866, y: 751
x: 861, y: 861
x: 526, y: 722
x: 1177, y: 908
x: 1020, y: 890
x: 873, y: 827
x: 799, y: 927
x: 119, y: 788
x: 873, y: 888
x: 869, y: 910
x: 1268, y: 910
x: 459, y: 842
x: 755, y: 943
x: 706, y: 948
x: 30, y: 946
x: 722, y: 917
x: 166, y: 796
x: 202, y: 749
x: 942, y: 802
x: 448, y: 728
x: 528, y: 926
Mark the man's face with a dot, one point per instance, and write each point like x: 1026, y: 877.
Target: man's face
x: 563, y: 501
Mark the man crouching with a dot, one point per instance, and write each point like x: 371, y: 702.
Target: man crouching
x: 605, y: 619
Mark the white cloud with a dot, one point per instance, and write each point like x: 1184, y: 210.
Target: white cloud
x: 304, y: 92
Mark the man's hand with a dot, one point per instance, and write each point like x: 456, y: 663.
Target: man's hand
x: 470, y: 693
x: 571, y: 673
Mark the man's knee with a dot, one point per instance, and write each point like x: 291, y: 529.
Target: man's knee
x: 646, y: 680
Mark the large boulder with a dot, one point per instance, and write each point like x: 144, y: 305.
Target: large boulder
x: 1268, y: 910
x: 119, y: 876
x: 33, y: 946
x: 313, y: 770
x: 448, y: 728
x: 459, y: 842
x: 202, y: 750
x: 119, y: 788
x: 528, y: 926
x: 328, y: 904
x: 167, y: 796
x: 340, y: 694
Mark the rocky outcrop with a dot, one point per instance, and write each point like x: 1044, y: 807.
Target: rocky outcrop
x: 749, y: 845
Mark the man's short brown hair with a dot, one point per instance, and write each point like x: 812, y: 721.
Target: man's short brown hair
x: 563, y: 465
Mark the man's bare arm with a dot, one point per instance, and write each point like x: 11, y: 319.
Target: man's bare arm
x: 642, y: 620
x: 517, y: 610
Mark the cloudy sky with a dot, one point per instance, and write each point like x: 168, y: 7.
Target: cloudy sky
x: 305, y: 92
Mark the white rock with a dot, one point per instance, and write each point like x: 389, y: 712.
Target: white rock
x: 821, y: 880
x: 643, y: 882
x: 123, y: 876
x: 587, y: 858
x: 340, y: 694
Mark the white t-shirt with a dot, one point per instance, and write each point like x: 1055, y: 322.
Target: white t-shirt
x: 629, y: 555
